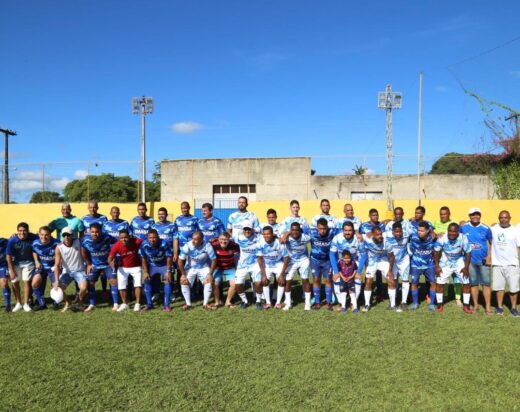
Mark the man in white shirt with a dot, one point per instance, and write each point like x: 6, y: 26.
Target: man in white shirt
x: 504, y: 259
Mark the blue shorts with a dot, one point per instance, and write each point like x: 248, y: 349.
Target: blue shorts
x: 320, y: 268
x: 346, y: 286
x: 43, y: 272
x: 223, y: 274
x: 429, y: 274
x: 67, y: 278
x: 4, y: 273
x: 479, y: 274
x: 105, y: 272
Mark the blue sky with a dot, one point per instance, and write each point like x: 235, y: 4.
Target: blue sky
x: 245, y: 79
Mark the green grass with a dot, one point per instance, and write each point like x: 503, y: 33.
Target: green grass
x: 248, y: 360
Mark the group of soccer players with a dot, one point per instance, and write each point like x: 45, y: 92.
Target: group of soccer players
x: 197, y: 256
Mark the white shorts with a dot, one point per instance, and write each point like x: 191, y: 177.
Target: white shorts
x: 449, y: 270
x: 122, y: 277
x: 302, y: 266
x: 402, y: 269
x: 275, y: 270
x: 24, y: 272
x: 503, y: 275
x: 382, y: 266
x: 241, y: 273
x: 200, y: 273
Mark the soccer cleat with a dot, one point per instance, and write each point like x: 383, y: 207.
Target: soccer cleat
x: 307, y: 307
x: 366, y: 308
x: 329, y: 306
x: 39, y: 308
x: 278, y: 306
x: 147, y: 308
x: 122, y: 307
x: 186, y: 307
x: 137, y: 307
x: 287, y: 307
x: 402, y: 308
x: 317, y: 306
x: 167, y: 309
x: 267, y: 306
x: 414, y: 306
x: 89, y: 308
x: 244, y: 305
x: 468, y: 310
x: 439, y: 309
x: 259, y: 306
x: 498, y: 311
x: 392, y: 308
x: 356, y: 310
x: 431, y: 307
x: 343, y: 310
x: 515, y: 313
x: 8, y: 309
x: 27, y: 308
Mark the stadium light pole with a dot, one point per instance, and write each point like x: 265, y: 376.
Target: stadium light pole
x: 7, y: 133
x: 143, y: 106
x: 389, y: 101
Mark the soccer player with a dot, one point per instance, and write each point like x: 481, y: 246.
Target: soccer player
x: 295, y: 217
x: 130, y: 265
x: 399, y: 218
x: 348, y: 210
x: 273, y: 259
x: 4, y: 275
x: 210, y: 226
x: 479, y: 237
x: 93, y: 216
x: 44, y: 256
x: 399, y: 261
x: 325, y: 214
x: 95, y: 249
x: 321, y: 238
x: 113, y: 226
x: 167, y: 232
x: 247, y: 262
x: 271, y: 222
x: 20, y: 262
x: 420, y: 212
x: 236, y: 219
x: 296, y: 243
x: 157, y: 260
x: 185, y: 226
x: 202, y: 264
x: 226, y: 251
x: 67, y: 220
x: 347, y: 240
x: 455, y: 260
x: 70, y: 266
x: 504, y: 258
x: 420, y: 249
x: 142, y: 223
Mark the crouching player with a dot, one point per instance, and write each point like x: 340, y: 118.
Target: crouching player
x: 273, y: 259
x: 455, y: 260
x: 399, y: 261
x: 44, y: 253
x: 226, y: 252
x: 346, y: 278
x: 157, y: 263
x: 201, y: 265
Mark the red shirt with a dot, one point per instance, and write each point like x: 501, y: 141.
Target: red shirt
x: 225, y: 257
x: 129, y: 254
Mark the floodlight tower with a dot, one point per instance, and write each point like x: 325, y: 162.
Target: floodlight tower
x: 389, y: 101
x: 143, y: 106
x: 7, y: 133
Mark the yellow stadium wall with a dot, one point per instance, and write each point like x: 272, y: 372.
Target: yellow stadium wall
x: 37, y: 215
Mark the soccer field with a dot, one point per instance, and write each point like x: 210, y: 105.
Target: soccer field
x: 249, y: 360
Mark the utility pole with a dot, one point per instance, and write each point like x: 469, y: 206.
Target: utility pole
x: 143, y: 106
x: 7, y: 133
x: 419, y: 138
x: 389, y: 101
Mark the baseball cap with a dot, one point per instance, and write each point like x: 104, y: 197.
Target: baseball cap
x: 474, y: 210
x: 247, y: 224
x: 66, y: 230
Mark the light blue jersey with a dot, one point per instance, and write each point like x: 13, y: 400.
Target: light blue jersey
x: 398, y: 247
x: 199, y: 257
x: 166, y: 231
x: 90, y: 220
x: 367, y: 227
x: 320, y: 245
x: 113, y: 227
x: 185, y: 227
x: 155, y: 256
x: 139, y: 227
x: 353, y: 245
x: 414, y: 225
x: 277, y: 228
x: 297, y: 248
x: 272, y: 253
x: 98, y: 251
x: 356, y: 221
x: 236, y: 222
x: 421, y: 251
x: 211, y: 228
x: 453, y: 250
x: 376, y: 252
x: 405, y: 224
x: 332, y: 222
x: 248, y: 248
x: 291, y: 219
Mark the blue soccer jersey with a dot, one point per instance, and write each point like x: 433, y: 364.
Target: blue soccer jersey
x: 166, y: 231
x: 286, y: 225
x: 414, y: 225
x: 139, y: 227
x: 366, y: 227
x: 277, y: 228
x: 397, y: 246
x: 98, y: 250
x: 356, y: 221
x: 478, y: 238
x: 376, y: 252
x: 320, y: 245
x: 21, y: 250
x: 453, y: 251
x: 340, y: 243
x: 211, y: 228
x: 155, y: 256
x: 90, y: 220
x: 297, y: 248
x: 3, y: 248
x: 332, y: 222
x: 185, y: 227
x: 405, y: 224
x: 272, y: 253
x: 46, y: 253
x: 113, y: 227
x: 199, y: 257
x: 248, y: 248
x: 236, y: 222
x: 421, y: 251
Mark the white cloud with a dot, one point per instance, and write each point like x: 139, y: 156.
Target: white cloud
x: 24, y: 181
x: 80, y: 174
x: 57, y: 184
x: 441, y: 89
x: 515, y: 73
x: 186, y: 127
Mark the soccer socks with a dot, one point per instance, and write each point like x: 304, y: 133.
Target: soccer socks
x: 243, y: 297
x: 458, y: 290
x: 357, y: 288
x: 465, y: 298
x: 37, y: 292
x: 343, y: 299
x: 148, y: 292
x: 328, y: 295
x: 91, y: 294
x: 288, y: 298
x: 267, y: 294
x: 185, y: 289
x: 207, y: 293
x: 104, y: 283
x: 115, y: 294
x: 432, y: 297
x: 337, y: 289
x: 391, y: 296
x: 167, y: 294
x: 7, y: 296
x: 405, y: 288
x: 258, y: 297
x: 415, y: 296
x: 307, y: 298
x: 279, y: 295
x: 317, y: 295
x: 440, y: 298
x: 368, y: 295
x: 353, y: 299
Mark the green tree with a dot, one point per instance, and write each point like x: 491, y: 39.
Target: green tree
x: 461, y: 164
x: 46, y: 197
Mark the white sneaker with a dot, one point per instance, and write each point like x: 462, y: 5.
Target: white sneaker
x: 89, y: 308
x: 307, y: 306
x: 26, y: 308
x: 115, y: 307
x: 18, y: 307
x: 287, y: 307
x: 459, y: 303
x: 123, y: 307
x: 137, y: 307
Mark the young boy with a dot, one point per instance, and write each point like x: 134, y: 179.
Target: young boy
x: 347, y: 273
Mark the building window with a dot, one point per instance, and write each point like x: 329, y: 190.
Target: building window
x: 242, y: 189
